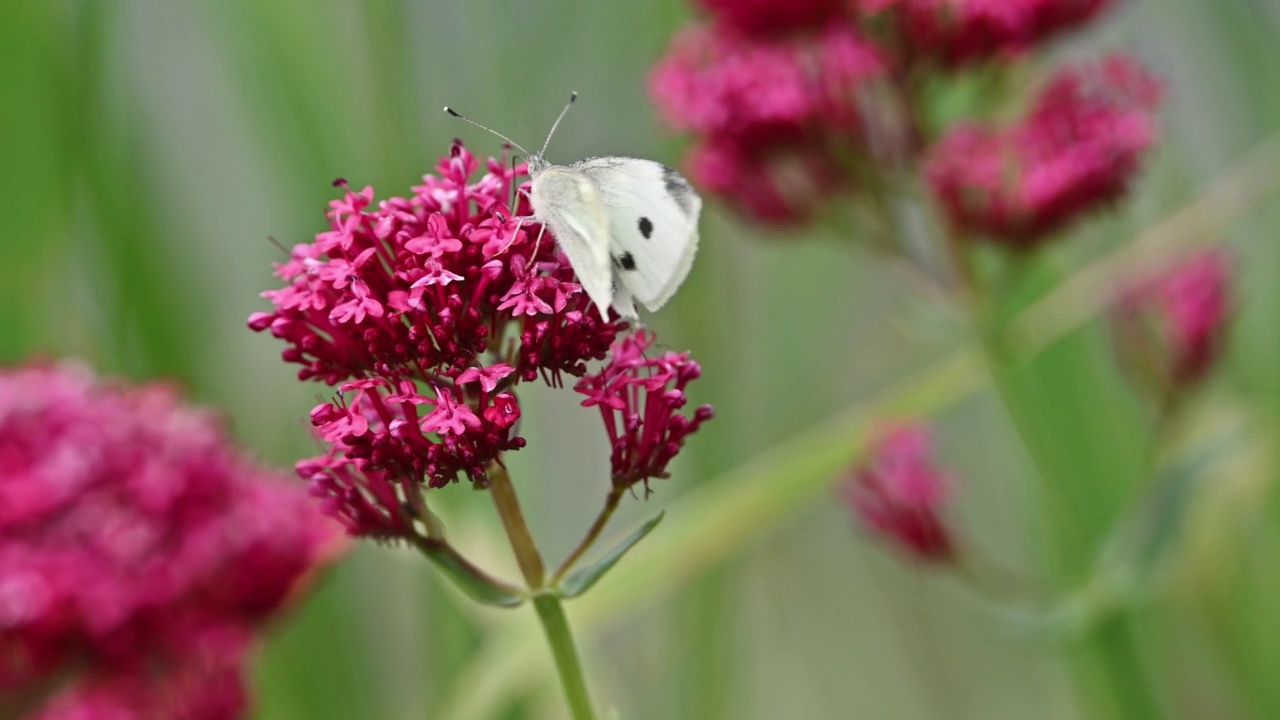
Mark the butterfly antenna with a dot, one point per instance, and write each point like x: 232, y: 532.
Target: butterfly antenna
x: 572, y: 97
x: 515, y: 144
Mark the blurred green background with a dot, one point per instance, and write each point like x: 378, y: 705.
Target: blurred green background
x: 149, y: 148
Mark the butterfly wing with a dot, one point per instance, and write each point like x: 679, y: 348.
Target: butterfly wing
x: 653, y: 224
x: 568, y: 204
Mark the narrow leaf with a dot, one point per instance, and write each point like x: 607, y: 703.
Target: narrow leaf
x: 581, y: 580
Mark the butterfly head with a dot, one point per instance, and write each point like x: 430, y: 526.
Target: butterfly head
x: 537, y: 162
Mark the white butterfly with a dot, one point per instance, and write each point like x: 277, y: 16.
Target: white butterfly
x: 628, y: 226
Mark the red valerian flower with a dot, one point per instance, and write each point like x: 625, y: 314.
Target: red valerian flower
x: 773, y: 116
x: 899, y: 492
x: 135, y: 542
x: 425, y: 312
x: 205, y: 684
x: 956, y: 32
x: 1196, y: 306
x: 1170, y: 329
x: 776, y: 183
x: 774, y: 17
x: 640, y: 399
x: 1077, y: 149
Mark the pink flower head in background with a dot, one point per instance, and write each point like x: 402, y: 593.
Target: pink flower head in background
x: 1170, y: 329
x: 1196, y: 305
x: 956, y: 32
x: 899, y: 493
x: 774, y: 17
x: 1077, y: 149
x: 138, y: 549
x: 771, y: 116
x: 640, y: 399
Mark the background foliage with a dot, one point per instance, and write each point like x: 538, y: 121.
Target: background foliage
x: 150, y: 148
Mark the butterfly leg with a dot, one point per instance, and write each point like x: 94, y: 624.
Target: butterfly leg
x: 536, y: 244
x: 514, y: 234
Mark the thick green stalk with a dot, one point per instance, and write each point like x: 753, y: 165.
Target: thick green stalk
x: 1114, y: 644
x: 1119, y: 653
x: 556, y: 626
x: 549, y: 607
x: 522, y: 544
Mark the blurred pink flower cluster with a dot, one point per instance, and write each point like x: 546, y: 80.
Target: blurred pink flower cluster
x: 955, y: 32
x: 899, y: 493
x: 794, y: 106
x: 426, y: 312
x: 139, y: 551
x: 1076, y: 149
x: 775, y: 115
x: 1170, y: 329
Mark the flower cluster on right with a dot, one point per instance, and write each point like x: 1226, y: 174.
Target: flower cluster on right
x: 794, y: 105
x: 797, y: 110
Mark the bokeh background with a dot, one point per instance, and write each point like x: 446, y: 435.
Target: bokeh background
x: 150, y: 148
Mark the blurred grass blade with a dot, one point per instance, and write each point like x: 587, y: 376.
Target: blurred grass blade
x: 581, y: 580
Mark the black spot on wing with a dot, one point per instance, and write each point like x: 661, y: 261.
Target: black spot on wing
x: 646, y: 227
x: 678, y: 188
x: 625, y: 261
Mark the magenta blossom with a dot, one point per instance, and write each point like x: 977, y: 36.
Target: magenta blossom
x: 135, y: 542
x: 1078, y: 149
x: 1196, y: 307
x: 425, y: 312
x: 1170, y: 329
x: 899, y: 492
x: 774, y: 17
x: 206, y: 684
x: 772, y: 116
x: 956, y: 32
x: 640, y: 399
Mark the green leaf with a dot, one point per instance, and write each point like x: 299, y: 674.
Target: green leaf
x: 476, y: 583
x: 581, y: 580
x: 1142, y: 546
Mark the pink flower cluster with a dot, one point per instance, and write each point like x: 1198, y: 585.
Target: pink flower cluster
x: 899, y: 493
x: 795, y: 104
x: 1078, y: 148
x: 426, y: 312
x: 639, y: 398
x: 1195, y: 304
x: 774, y: 114
x: 773, y: 17
x: 956, y: 32
x: 138, y: 551
x: 1170, y: 329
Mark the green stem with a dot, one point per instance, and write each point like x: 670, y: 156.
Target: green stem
x: 549, y: 607
x: 556, y: 625
x: 1123, y: 667
x: 1114, y: 643
x: 593, y: 533
x: 522, y: 544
